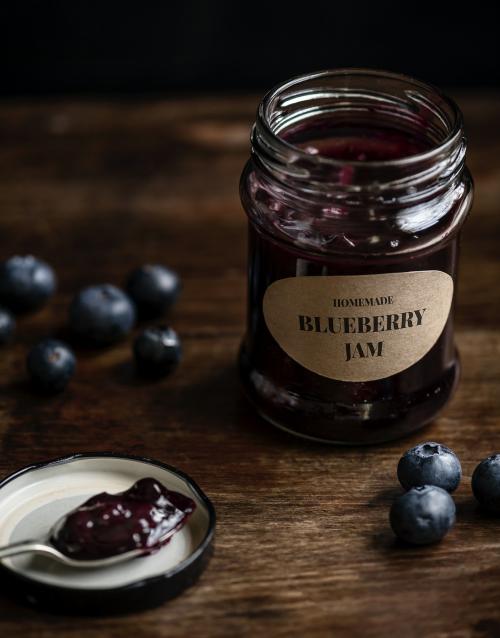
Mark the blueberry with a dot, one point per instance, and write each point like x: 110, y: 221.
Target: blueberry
x: 423, y: 515
x: 486, y: 483
x: 25, y: 283
x: 101, y: 314
x: 157, y: 351
x: 154, y: 289
x: 51, y: 364
x: 7, y: 326
x: 430, y: 464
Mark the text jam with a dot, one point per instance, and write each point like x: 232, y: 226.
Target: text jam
x: 362, y: 325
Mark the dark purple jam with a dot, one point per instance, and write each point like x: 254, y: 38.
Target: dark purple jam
x: 290, y: 237
x: 144, y: 516
x: 356, y: 143
x: 300, y: 400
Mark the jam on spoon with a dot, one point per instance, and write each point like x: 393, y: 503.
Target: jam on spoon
x: 143, y: 517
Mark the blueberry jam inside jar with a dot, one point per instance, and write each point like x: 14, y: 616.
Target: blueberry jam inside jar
x: 355, y: 192
x: 143, y: 517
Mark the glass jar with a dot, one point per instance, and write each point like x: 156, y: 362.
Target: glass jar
x: 355, y: 192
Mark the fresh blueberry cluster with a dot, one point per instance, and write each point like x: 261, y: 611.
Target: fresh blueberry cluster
x: 430, y: 464
x: 98, y: 316
x: 25, y: 283
x: 154, y: 289
x: 51, y: 364
x: 429, y: 472
x: 423, y: 515
x: 157, y: 351
x: 101, y: 315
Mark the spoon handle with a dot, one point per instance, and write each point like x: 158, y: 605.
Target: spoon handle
x: 24, y: 547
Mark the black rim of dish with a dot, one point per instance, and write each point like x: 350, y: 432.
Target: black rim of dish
x: 165, y: 578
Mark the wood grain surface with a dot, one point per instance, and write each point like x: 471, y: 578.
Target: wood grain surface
x: 303, y: 545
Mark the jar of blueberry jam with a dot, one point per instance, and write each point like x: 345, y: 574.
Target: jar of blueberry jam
x: 356, y: 192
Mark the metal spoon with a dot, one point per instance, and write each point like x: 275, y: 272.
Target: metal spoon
x: 44, y: 547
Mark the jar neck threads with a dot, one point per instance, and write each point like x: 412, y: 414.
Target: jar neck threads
x: 359, y: 97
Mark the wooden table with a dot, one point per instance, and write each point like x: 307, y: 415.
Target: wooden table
x: 303, y: 545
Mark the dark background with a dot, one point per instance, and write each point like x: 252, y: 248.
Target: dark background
x: 107, y: 47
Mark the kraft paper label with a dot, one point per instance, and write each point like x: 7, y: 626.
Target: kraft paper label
x: 359, y: 328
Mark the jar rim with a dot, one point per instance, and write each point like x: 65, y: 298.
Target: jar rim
x: 445, y: 146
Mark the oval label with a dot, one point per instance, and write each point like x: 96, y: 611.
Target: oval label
x: 359, y: 328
